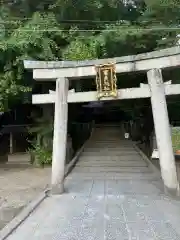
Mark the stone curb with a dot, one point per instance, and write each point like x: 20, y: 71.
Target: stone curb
x: 71, y: 165
x: 24, y: 214
x: 174, y: 195
x: 154, y: 168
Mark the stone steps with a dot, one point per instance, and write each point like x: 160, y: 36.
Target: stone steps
x: 106, y: 153
x: 125, y: 176
x: 106, y: 164
x: 109, y: 149
x: 107, y: 157
x: 111, y: 170
x: 105, y: 160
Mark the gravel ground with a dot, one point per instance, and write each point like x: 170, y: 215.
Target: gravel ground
x: 18, y: 186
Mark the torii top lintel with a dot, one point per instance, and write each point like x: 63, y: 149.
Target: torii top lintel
x: 51, y: 70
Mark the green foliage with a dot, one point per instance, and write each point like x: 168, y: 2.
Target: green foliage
x: 44, y: 130
x: 78, y: 30
x: 33, y: 39
x: 175, y: 138
x: 79, y: 50
x: 40, y: 155
x: 83, y: 48
x: 41, y: 145
x: 163, y: 11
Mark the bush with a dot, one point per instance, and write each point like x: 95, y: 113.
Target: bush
x: 40, y: 155
x: 175, y: 131
x: 41, y: 145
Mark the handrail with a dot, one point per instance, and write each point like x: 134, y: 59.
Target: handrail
x: 13, y: 128
x: 17, y: 125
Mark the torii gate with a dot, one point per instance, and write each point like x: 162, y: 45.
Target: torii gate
x: 63, y: 71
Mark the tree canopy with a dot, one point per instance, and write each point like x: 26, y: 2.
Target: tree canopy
x: 78, y: 30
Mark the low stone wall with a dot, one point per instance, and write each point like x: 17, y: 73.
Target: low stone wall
x: 148, y: 146
x: 69, y: 150
x: 80, y: 132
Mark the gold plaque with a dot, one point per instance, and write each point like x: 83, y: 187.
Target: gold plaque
x: 106, y: 80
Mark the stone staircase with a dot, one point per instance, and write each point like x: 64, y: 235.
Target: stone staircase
x: 108, y: 155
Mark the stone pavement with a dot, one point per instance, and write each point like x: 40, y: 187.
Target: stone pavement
x: 111, y: 194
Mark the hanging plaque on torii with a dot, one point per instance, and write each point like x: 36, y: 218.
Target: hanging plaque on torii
x: 106, y: 80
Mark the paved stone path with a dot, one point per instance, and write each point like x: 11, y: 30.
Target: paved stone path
x: 111, y: 194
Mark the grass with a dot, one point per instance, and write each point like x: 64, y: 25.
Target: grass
x: 175, y: 138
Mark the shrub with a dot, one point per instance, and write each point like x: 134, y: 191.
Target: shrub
x: 40, y: 155
x: 41, y: 145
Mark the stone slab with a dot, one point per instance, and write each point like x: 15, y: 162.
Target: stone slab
x: 88, y: 212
